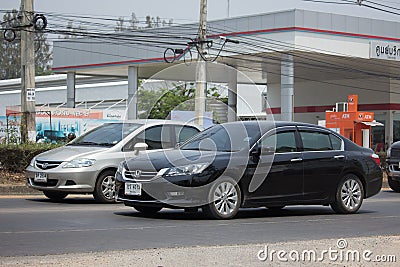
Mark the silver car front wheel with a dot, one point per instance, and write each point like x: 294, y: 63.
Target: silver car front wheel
x: 105, y: 187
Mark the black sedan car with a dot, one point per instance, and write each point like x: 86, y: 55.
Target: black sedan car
x: 252, y: 164
x: 393, y: 166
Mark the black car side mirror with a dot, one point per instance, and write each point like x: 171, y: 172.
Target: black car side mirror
x: 255, y: 152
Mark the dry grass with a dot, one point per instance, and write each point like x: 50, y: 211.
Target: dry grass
x: 8, y: 178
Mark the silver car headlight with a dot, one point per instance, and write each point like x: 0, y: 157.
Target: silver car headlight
x: 79, y: 163
x: 183, y: 170
x: 121, y: 169
x: 32, y: 164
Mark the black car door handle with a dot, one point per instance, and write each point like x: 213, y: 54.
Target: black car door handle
x: 296, y: 159
x: 339, y: 157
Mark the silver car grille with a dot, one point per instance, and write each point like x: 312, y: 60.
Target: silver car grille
x: 46, y: 165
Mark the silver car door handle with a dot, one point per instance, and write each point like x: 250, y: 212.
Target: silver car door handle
x: 339, y: 157
x: 296, y: 159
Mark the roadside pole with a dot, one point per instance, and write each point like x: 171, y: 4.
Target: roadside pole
x: 201, y: 77
x: 28, y: 125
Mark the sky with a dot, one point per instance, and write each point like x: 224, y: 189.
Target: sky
x: 182, y: 11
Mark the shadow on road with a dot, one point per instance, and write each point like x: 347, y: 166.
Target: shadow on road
x: 168, y: 214
x: 74, y: 200
x: 390, y: 191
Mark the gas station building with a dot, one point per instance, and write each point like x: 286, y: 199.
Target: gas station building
x: 307, y: 61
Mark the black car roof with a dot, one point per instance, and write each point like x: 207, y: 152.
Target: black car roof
x: 276, y: 123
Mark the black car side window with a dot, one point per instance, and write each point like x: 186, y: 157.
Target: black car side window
x: 315, y: 141
x: 282, y: 142
x: 336, y: 142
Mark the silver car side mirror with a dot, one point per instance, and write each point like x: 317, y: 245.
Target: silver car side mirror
x: 140, y: 147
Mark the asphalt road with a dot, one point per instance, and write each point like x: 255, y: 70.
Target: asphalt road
x: 36, y: 226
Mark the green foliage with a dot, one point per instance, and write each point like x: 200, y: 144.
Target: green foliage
x: 146, y: 101
x: 15, y: 158
x: 10, y: 52
x: 12, y: 132
x: 171, y: 99
x: 158, y: 104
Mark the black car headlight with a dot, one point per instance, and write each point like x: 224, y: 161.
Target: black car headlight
x: 190, y: 169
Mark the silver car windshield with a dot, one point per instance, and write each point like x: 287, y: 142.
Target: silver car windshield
x: 108, y: 134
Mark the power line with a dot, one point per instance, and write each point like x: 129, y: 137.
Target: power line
x: 153, y: 41
x: 383, y: 5
x: 263, y: 40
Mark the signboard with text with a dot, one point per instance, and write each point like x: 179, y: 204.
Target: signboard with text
x: 56, y: 123
x: 385, y: 50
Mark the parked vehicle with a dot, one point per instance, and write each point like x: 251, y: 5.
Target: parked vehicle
x: 252, y: 164
x: 88, y: 163
x: 393, y: 166
x: 51, y: 136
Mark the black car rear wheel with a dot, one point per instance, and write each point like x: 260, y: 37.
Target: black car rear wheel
x: 349, y: 195
x: 224, y: 199
x: 105, y: 187
x: 55, y: 195
x: 394, y: 185
x: 147, y: 210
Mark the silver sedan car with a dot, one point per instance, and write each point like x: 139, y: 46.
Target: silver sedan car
x: 88, y: 164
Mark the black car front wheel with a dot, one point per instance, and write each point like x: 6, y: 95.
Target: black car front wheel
x: 349, y: 195
x: 55, y: 195
x: 224, y: 199
x: 394, y: 185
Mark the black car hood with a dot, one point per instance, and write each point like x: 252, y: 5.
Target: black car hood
x: 158, y: 160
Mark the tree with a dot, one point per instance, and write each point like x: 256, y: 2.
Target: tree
x: 179, y: 96
x: 10, y: 52
x: 134, y: 23
x: 158, y: 104
x: 73, y: 31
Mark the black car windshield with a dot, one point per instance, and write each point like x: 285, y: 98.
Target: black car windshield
x: 108, y: 134
x: 227, y: 138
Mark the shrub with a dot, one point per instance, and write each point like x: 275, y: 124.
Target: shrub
x: 15, y: 158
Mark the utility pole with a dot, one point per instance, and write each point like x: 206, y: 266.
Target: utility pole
x: 28, y: 125
x: 201, y: 69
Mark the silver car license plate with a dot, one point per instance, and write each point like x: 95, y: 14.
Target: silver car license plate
x: 40, y: 177
x: 133, y: 189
